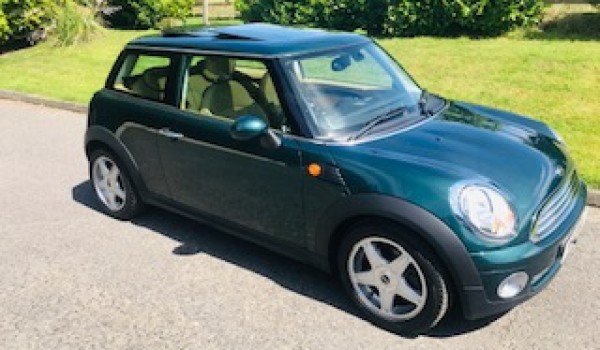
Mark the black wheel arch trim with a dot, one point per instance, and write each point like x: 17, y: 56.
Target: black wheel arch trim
x: 449, y: 248
x: 108, y: 139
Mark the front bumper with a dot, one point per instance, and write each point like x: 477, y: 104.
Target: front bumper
x: 541, y: 262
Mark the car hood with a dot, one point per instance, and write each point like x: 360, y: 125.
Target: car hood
x: 465, y: 142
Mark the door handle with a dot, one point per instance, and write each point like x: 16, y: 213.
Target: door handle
x: 170, y: 134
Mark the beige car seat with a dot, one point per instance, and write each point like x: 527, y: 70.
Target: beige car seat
x: 150, y: 84
x: 196, y: 86
x: 227, y: 97
x: 274, y: 106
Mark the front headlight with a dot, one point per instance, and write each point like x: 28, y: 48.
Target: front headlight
x: 486, y: 210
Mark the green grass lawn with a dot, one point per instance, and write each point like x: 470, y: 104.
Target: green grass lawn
x: 64, y: 73
x: 557, y: 81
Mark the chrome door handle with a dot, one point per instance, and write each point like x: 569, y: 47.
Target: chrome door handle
x: 170, y: 134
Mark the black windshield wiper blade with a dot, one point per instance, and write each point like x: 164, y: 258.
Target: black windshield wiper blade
x: 389, y: 115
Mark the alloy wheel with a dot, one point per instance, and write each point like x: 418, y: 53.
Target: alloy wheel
x: 108, y: 183
x: 386, y: 279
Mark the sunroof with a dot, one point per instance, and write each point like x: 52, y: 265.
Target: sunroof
x: 268, y: 32
x: 203, y: 33
x: 175, y: 32
x: 247, y: 32
x: 231, y: 36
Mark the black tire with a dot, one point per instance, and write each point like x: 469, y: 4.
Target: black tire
x: 434, y: 303
x: 128, y: 207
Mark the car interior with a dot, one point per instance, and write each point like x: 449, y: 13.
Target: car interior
x: 215, y: 86
x: 149, y: 84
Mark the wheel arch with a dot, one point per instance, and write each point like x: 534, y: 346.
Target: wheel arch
x: 434, y: 233
x: 98, y: 137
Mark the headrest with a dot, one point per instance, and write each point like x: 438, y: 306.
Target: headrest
x: 219, y: 68
x: 197, y: 68
x: 155, y: 78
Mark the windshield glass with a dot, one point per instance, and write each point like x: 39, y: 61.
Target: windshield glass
x: 343, y: 89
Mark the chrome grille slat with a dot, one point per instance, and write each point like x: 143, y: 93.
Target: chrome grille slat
x: 556, y: 208
x: 553, y: 224
x: 560, y: 201
x: 557, y: 200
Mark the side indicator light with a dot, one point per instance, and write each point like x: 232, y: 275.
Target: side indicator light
x: 314, y: 169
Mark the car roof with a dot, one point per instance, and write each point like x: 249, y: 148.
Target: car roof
x: 256, y: 39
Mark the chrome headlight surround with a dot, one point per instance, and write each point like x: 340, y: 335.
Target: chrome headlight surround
x: 486, y: 211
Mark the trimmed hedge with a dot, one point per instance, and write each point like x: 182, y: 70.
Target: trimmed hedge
x: 399, y: 17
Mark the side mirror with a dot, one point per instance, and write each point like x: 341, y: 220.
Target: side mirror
x: 249, y: 127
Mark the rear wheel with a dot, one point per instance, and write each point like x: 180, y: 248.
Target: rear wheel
x: 113, y: 186
x: 393, y: 278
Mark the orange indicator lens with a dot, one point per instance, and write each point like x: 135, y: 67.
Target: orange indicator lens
x: 314, y: 169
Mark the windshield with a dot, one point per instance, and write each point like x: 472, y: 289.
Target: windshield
x: 343, y: 89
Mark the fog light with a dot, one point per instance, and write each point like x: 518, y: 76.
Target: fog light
x: 512, y: 285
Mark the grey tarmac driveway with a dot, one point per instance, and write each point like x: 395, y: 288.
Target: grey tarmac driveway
x: 71, y: 278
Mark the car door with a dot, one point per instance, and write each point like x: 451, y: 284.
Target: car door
x: 239, y: 182
x: 137, y: 98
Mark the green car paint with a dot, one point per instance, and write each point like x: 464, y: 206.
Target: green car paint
x: 192, y: 164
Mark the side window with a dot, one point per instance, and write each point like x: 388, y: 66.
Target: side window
x: 144, y: 75
x: 227, y: 88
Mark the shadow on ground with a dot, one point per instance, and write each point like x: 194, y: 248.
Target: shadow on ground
x: 579, y: 26
x: 196, y: 238
x: 14, y: 46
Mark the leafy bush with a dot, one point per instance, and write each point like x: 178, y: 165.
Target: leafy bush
x: 135, y: 14
x: 486, y: 19
x: 4, y: 28
x: 144, y: 14
x: 19, y: 18
x: 74, y: 24
x: 177, y: 9
x: 399, y: 17
x: 466, y: 17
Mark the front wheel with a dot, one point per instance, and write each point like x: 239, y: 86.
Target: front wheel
x: 113, y: 186
x: 393, y: 278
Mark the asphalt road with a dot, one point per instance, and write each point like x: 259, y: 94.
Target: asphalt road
x: 71, y: 277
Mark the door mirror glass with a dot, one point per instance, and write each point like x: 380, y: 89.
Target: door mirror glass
x: 248, y: 127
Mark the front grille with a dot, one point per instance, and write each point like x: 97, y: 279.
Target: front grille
x: 557, y: 208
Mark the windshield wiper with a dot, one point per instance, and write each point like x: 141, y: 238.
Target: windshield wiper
x: 389, y: 115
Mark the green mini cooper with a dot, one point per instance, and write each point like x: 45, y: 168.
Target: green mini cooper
x: 320, y: 146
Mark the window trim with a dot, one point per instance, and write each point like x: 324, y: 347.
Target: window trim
x: 294, y: 115
x: 170, y: 90
x: 271, y: 66
x: 304, y: 114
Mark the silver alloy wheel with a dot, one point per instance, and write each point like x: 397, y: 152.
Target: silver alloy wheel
x: 108, y: 183
x: 387, y: 279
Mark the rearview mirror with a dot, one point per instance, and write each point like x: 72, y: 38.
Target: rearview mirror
x: 340, y: 63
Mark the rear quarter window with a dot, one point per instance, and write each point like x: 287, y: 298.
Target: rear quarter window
x: 143, y: 75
